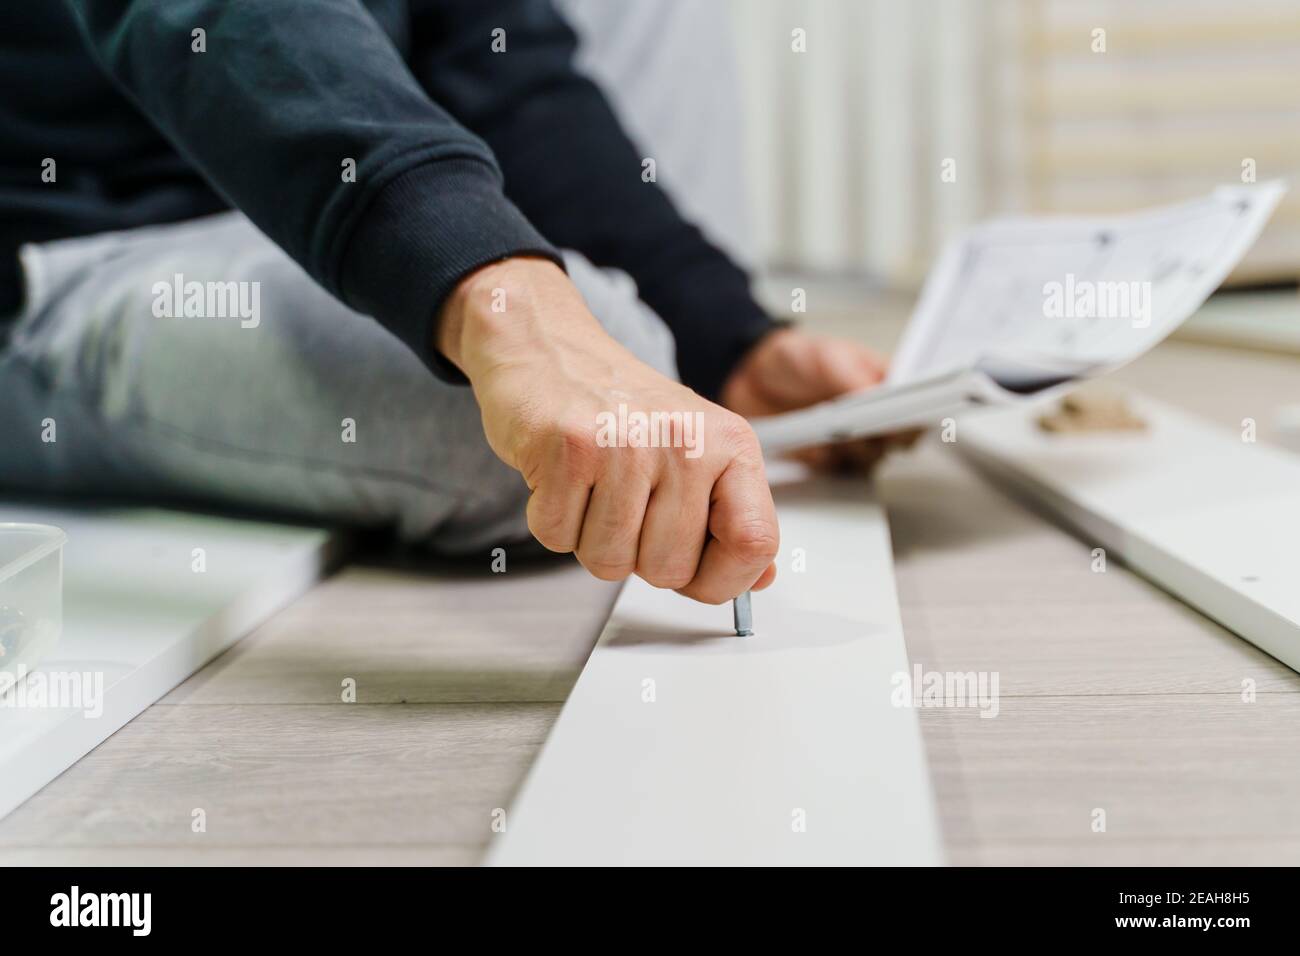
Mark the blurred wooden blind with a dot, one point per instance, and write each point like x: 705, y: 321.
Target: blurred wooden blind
x: 1185, y: 94
x: 847, y: 142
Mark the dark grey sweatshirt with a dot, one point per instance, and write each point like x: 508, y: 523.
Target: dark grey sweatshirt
x: 463, y: 155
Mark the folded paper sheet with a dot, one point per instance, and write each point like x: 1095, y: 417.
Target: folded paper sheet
x: 684, y: 744
x: 1016, y: 308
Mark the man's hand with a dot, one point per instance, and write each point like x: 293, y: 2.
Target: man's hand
x: 697, y: 518
x: 788, y: 369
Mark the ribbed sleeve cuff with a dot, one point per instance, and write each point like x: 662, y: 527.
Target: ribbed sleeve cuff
x: 421, y: 234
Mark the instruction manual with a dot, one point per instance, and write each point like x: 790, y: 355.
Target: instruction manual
x: 1018, y: 308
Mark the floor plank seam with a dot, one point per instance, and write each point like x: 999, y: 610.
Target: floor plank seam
x: 1114, y: 838
x: 1140, y: 695
x: 132, y: 847
x: 376, y: 703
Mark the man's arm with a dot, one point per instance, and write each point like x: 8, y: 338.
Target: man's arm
x: 289, y: 89
x: 284, y: 94
x: 573, y: 171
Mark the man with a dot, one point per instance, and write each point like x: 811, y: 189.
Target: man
x: 405, y: 173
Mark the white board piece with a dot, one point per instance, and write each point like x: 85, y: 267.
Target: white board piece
x: 138, y: 614
x: 1254, y: 320
x: 780, y: 748
x: 1211, y: 518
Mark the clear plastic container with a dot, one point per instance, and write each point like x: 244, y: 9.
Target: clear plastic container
x: 31, y: 596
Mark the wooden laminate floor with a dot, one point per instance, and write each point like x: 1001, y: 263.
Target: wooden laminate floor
x: 1114, y: 696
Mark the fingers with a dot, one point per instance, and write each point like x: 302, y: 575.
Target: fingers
x: 904, y: 439
x: 850, y: 458
x: 857, y: 457
x: 873, y: 364
x: 555, y: 513
x: 673, y: 533
x: 611, y: 527
x: 742, y: 522
x: 703, y: 525
x: 849, y: 368
x: 559, y: 500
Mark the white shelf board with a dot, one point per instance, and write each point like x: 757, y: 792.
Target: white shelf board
x: 1211, y: 518
x: 743, y: 734
x: 135, y: 611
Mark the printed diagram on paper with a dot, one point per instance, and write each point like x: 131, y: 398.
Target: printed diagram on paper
x: 1019, y: 306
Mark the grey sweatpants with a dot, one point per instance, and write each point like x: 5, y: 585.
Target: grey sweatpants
x: 204, y: 410
x: 314, y: 411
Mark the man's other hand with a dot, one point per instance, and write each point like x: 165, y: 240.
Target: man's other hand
x: 787, y: 370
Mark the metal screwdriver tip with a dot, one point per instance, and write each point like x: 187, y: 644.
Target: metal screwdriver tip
x: 743, y: 612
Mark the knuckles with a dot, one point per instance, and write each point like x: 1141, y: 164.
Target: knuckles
x: 606, y: 569
x: 574, y: 449
x: 549, y: 530
x: 568, y: 452
x: 754, y: 542
x: 738, y: 437
x: 672, y: 576
x: 705, y: 594
x: 571, y: 450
